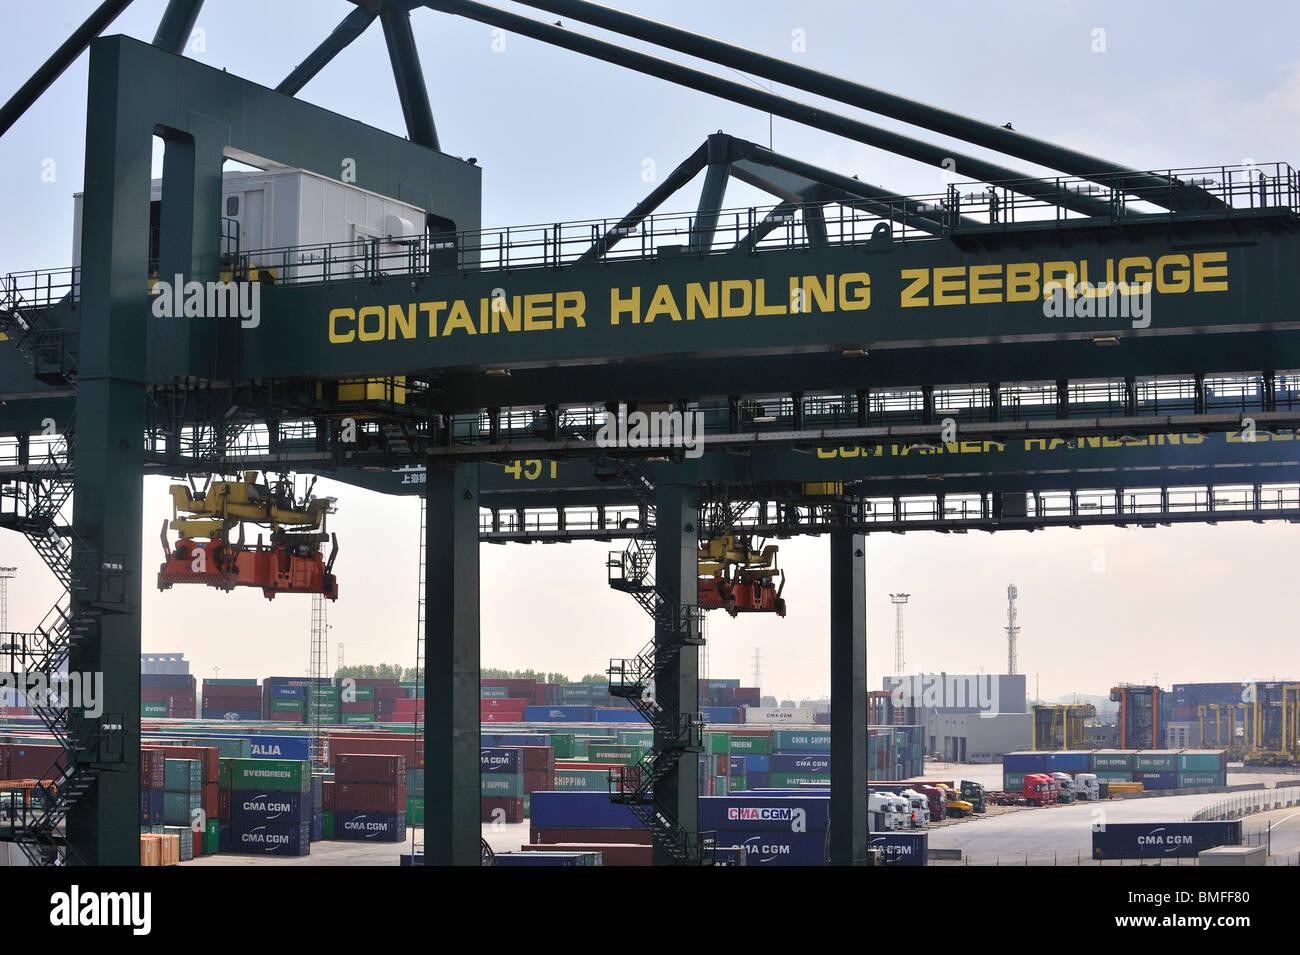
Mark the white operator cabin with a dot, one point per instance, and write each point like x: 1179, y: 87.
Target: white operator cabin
x: 287, y: 208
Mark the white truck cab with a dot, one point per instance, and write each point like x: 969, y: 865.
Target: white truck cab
x: 920, y: 808
x: 1086, y: 786
x: 883, y: 812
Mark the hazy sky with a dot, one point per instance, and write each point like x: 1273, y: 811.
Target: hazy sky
x: 560, y: 137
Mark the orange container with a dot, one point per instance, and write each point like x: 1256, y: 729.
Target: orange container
x: 171, y: 848
x: 150, y: 849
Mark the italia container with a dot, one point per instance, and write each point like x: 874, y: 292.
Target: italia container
x: 370, y: 826
x: 1162, y: 840
x: 279, y: 747
x: 273, y: 775
x: 801, y: 741
x: 1112, y: 761
x: 273, y: 807
x: 1026, y: 762
x: 901, y: 848
x: 256, y: 838
x: 1069, y: 761
x: 818, y: 764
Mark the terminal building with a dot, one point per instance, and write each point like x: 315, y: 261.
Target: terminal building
x: 968, y: 718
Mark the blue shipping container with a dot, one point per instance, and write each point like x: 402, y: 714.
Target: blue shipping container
x: 758, y: 763
x: 1157, y: 780
x: 1069, y: 762
x: 500, y: 760
x: 557, y: 714
x: 580, y: 810
x: 249, y: 805
x: 902, y: 848
x: 255, y: 838
x: 772, y: 847
x: 279, y: 747
x: 756, y: 779
x: 616, y: 715
x: 283, y: 692
x: 811, y: 763
x: 765, y: 813
x: 317, y: 825
x: 1025, y: 763
x: 1159, y: 840
x: 738, y: 766
x: 372, y: 826
x: 720, y: 714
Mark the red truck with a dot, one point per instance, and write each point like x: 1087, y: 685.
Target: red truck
x: 1039, y: 790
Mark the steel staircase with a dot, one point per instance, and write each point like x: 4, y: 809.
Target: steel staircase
x: 46, y: 347
x: 32, y: 504
x: 677, y: 735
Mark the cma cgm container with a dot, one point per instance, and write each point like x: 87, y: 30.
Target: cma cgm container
x: 801, y: 763
x: 1162, y: 840
x: 901, y: 848
x: 370, y: 826
x: 777, y: 848
x: 256, y: 838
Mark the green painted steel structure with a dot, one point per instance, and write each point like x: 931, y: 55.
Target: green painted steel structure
x: 823, y: 339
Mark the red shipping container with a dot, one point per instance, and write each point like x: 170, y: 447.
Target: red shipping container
x: 283, y: 717
x: 500, y: 716
x: 539, y: 693
x: 212, y: 800
x: 223, y: 804
x: 369, y: 768
x: 370, y: 797
x: 358, y: 706
x: 539, y: 757
x: 35, y: 760
x: 522, y: 689
x: 406, y: 745
x: 389, y: 693
x: 640, y: 837
x: 4, y: 762
x: 327, y: 797
x: 198, y: 844
x: 626, y: 854
x: 242, y: 691
x: 539, y: 780
x: 493, y: 806
x: 503, y: 705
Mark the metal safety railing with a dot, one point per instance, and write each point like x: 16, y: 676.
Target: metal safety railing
x: 1250, y: 803
x: 1229, y: 190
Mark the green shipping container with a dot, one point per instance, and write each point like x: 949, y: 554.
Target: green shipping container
x: 801, y: 741
x: 269, y: 775
x: 508, y: 785
x: 327, y: 824
x: 562, y: 743
x: 1201, y: 761
x: 212, y: 838
x: 1155, y: 761
x: 794, y: 780
x: 415, y: 782
x: 153, y: 709
x: 1013, y: 782
x: 637, y: 737
x: 751, y: 745
x: 528, y: 805
x: 1107, y: 777
x: 1112, y: 761
x: 581, y: 781
x: 356, y: 693
x: 1189, y: 780
x: 717, y: 744
x: 286, y: 706
x: 414, y: 811
x: 350, y: 719
x: 625, y: 755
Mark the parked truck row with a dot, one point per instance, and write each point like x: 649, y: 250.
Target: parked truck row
x: 914, y: 806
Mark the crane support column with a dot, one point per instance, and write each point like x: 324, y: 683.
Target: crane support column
x: 848, y: 605
x: 109, y: 477
x: 676, y: 663
x: 451, y: 667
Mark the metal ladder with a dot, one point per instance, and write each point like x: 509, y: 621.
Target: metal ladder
x: 32, y: 505
x: 47, y: 348
x: 677, y: 735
